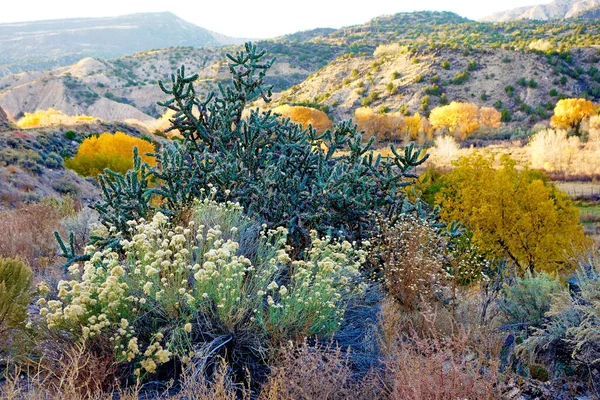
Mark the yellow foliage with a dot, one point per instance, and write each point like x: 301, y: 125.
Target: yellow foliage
x: 512, y: 214
x: 305, y: 116
x: 392, y: 126
x: 109, y: 151
x: 570, y: 113
x: 460, y: 119
x: 490, y: 117
x: 382, y: 126
x: 50, y: 117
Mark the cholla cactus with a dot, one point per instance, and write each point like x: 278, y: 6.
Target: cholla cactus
x: 281, y: 173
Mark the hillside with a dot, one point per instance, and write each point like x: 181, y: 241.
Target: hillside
x: 46, y: 44
x: 558, y: 9
x: 398, y: 80
x: 127, y: 87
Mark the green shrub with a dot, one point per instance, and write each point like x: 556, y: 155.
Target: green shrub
x: 15, y: 295
x: 506, y: 115
x: 70, y: 135
x: 510, y: 90
x: 573, y: 321
x: 525, y: 301
x: 425, y: 102
x: 178, y: 286
x: 461, y: 77
x: 539, y: 372
x: 433, y: 90
x: 472, y: 66
x: 446, y: 64
x: 390, y: 88
x: 444, y: 99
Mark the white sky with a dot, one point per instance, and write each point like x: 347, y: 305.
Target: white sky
x: 269, y: 17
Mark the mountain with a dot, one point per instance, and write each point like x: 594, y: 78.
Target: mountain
x: 592, y: 13
x: 558, y: 9
x: 317, y: 67
x: 39, y: 45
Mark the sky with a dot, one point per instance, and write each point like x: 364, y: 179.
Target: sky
x: 251, y: 18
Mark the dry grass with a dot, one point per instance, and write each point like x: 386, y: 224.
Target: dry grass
x: 27, y: 233
x: 318, y: 372
x: 435, y: 367
x: 412, y: 254
x: 74, y: 372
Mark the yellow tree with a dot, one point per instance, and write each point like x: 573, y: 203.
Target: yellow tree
x: 412, y: 126
x: 459, y: 119
x: 382, y: 126
x: 490, y: 117
x: 570, y: 113
x: 512, y: 214
x: 305, y: 116
x: 109, y: 151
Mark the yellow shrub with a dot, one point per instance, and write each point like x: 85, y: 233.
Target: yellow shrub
x: 49, y: 117
x: 109, y: 151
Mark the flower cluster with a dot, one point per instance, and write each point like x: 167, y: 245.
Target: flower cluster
x: 220, y: 267
x: 320, y: 287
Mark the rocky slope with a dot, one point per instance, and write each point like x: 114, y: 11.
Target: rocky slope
x: 127, y: 88
x: 403, y: 81
x: 558, y: 9
x: 46, y: 44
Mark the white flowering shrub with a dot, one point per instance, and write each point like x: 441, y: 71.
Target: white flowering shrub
x: 217, y: 274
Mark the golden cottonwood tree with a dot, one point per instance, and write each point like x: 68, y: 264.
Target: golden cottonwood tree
x: 109, y: 151
x: 512, y: 214
x: 305, y: 116
x: 459, y: 119
x: 490, y: 117
x: 382, y: 126
x: 570, y: 113
x: 462, y: 119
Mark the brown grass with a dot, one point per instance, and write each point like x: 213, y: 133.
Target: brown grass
x: 75, y: 372
x: 27, y: 233
x: 318, y: 372
x: 427, y: 364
